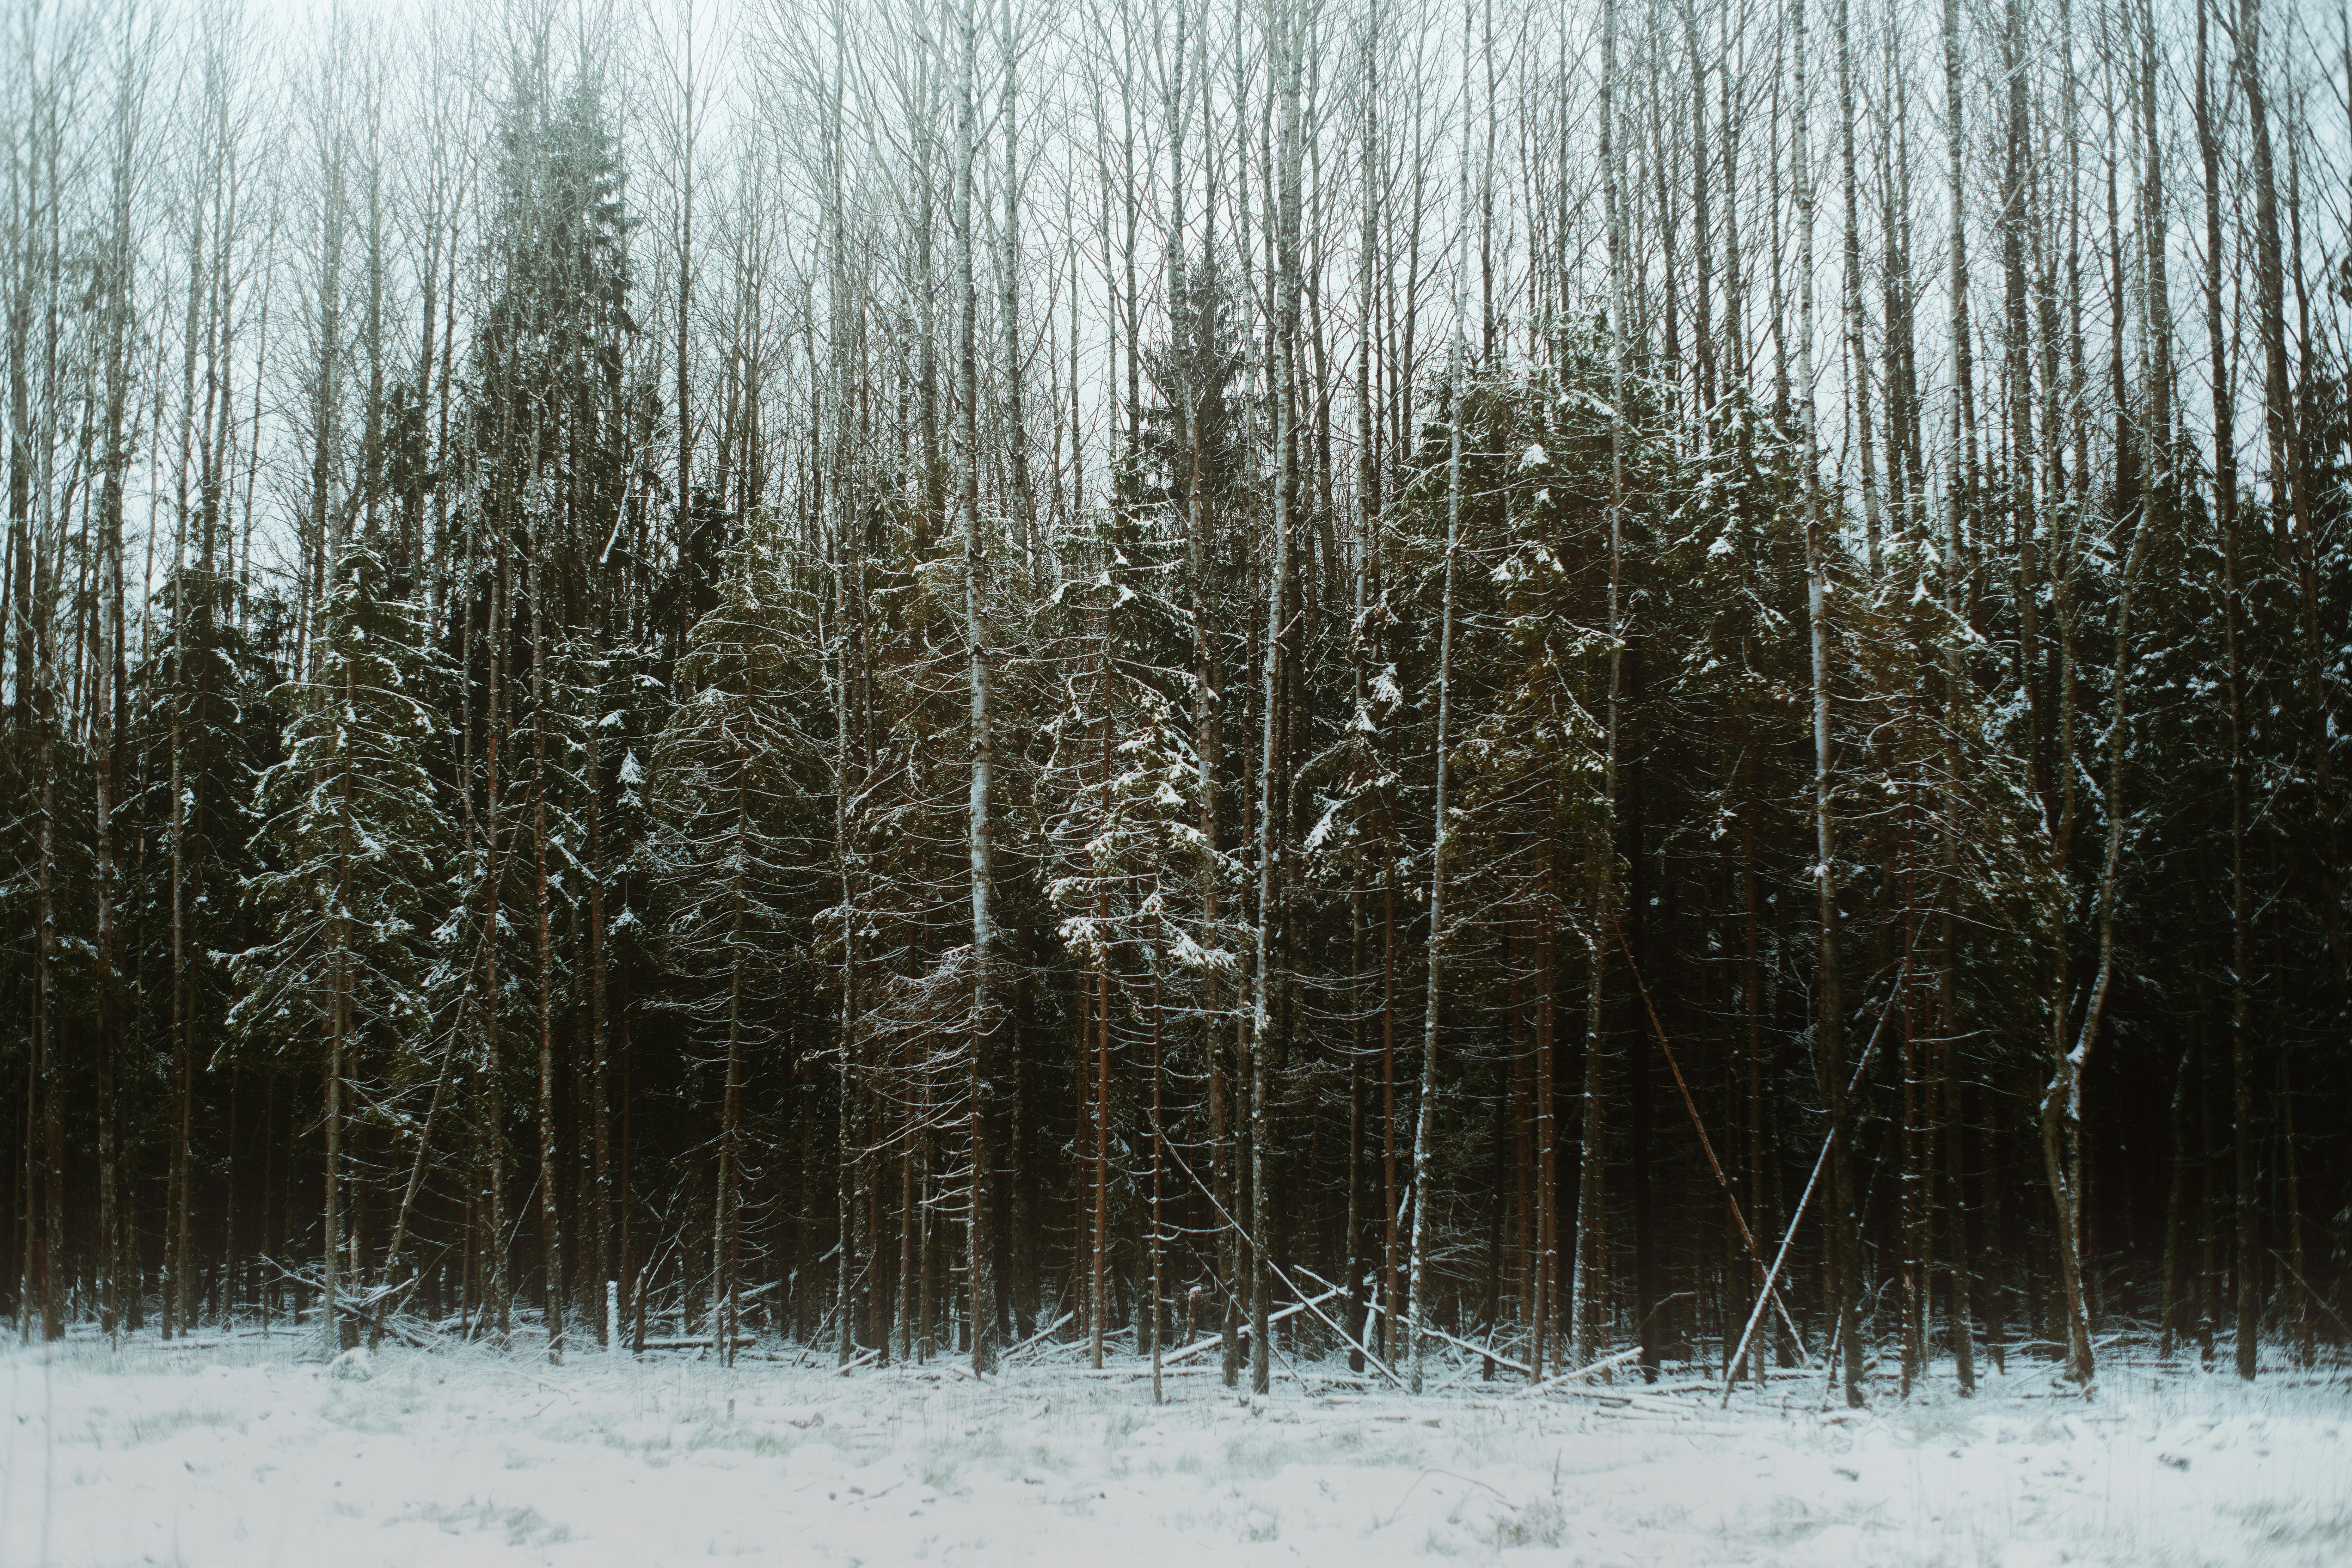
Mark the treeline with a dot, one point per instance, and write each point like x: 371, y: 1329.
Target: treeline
x: 920, y: 677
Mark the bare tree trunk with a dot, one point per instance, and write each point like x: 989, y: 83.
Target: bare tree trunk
x: 1830, y: 1049
x: 2296, y: 546
x: 2061, y: 1107
x: 683, y: 500
x: 1547, y: 1239
x: 2307, y: 1346
x: 340, y: 1044
x: 728, y: 1201
x: 1952, y: 580
x: 176, y: 1297
x: 599, y: 1037
x: 1424, y: 1122
x: 550, y: 1237
x: 983, y: 1231
x: 1016, y: 434
x: 1857, y: 348
x: 2060, y: 1111
x: 1286, y: 56
x: 46, y: 1045
x: 1590, y: 1287
x: 1100, y: 1321
x: 110, y: 701
x: 1158, y: 1156
x: 2225, y: 487
x: 2169, y: 1325
x: 496, y: 1302
x: 1393, y: 1246
x: 1702, y: 223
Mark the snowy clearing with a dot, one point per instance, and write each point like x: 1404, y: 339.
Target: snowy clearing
x: 236, y: 1452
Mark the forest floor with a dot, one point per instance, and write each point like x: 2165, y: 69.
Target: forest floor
x: 234, y: 1450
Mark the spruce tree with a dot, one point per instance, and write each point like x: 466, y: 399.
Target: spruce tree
x: 359, y: 841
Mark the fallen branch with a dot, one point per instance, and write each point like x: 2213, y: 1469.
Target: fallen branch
x: 1812, y: 1180
x: 1352, y: 1343
x: 1590, y: 1369
x: 1197, y: 1346
x: 1313, y: 1304
x: 383, y: 1324
x: 1043, y: 1334
x: 1698, y: 1125
x: 1493, y: 1355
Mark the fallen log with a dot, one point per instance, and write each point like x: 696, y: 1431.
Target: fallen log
x: 695, y: 1342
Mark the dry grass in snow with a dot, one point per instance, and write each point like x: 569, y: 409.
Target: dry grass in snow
x: 237, y: 1452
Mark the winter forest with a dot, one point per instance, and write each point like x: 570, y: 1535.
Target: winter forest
x: 1528, y: 692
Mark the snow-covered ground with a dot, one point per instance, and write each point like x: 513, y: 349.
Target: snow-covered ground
x: 236, y: 1452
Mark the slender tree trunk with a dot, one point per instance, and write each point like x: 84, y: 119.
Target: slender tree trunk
x: 1285, y: 60
x: 2225, y: 487
x: 496, y: 1301
x: 1102, y: 1046
x: 1857, y: 348
x: 599, y: 1037
x: 1391, y: 1250
x: 981, y: 1196
x: 110, y: 701
x: 550, y: 1236
x: 48, y: 1047
x: 1831, y: 1022
x: 1425, y: 1128
x: 1589, y: 1288
x: 1547, y: 1258
x: 2169, y: 1325
x: 728, y: 1200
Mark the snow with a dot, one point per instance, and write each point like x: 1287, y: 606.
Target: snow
x: 234, y: 1450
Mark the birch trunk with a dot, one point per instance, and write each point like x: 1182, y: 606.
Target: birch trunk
x: 981, y: 846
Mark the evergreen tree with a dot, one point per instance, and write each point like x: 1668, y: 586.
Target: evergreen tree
x: 359, y: 842
x: 737, y: 795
